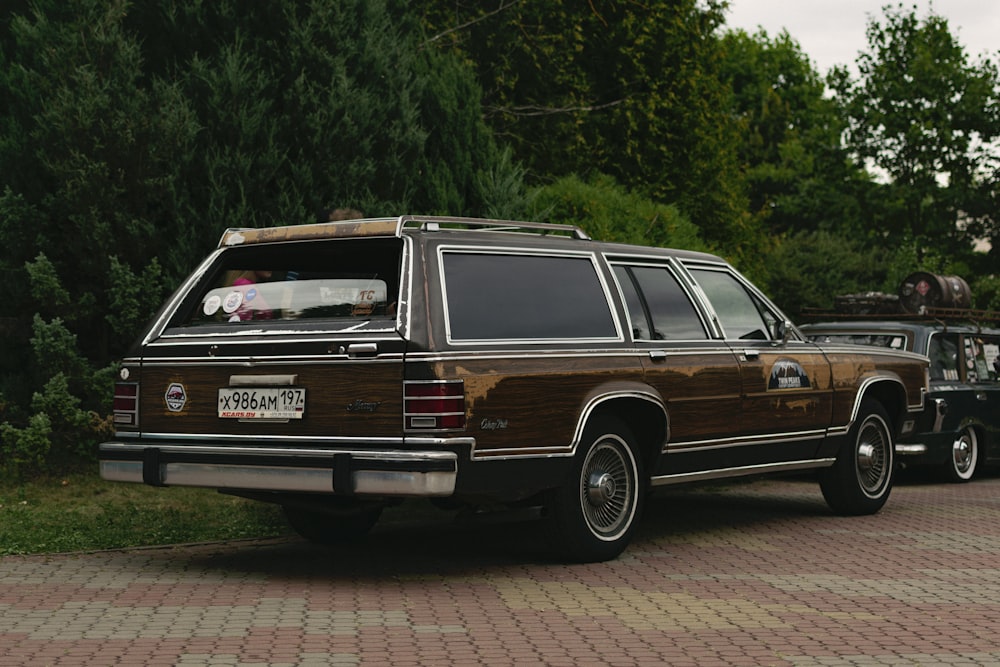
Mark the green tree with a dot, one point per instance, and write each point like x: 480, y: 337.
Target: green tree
x: 927, y: 120
x: 610, y: 212
x: 798, y: 173
x: 810, y: 268
x: 133, y: 134
x: 624, y: 89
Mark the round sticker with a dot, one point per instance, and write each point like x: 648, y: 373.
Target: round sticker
x: 233, y: 301
x: 235, y: 317
x: 212, y: 304
x: 251, y: 293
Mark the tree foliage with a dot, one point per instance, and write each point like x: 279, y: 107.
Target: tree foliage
x: 927, y: 121
x: 799, y: 176
x: 624, y: 89
x: 133, y: 134
x: 609, y: 211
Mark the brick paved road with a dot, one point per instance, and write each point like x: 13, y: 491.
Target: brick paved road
x: 750, y: 574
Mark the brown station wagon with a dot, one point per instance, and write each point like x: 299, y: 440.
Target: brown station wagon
x: 336, y: 368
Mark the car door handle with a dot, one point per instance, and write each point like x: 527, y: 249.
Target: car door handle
x: 657, y: 355
x: 751, y: 354
x: 980, y: 395
x: 362, y: 349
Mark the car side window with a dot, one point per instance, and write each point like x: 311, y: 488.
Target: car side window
x: 741, y: 314
x: 943, y: 353
x: 499, y: 296
x: 658, y: 306
x: 981, y: 362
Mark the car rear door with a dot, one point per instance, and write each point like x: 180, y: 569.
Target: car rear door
x: 697, y: 376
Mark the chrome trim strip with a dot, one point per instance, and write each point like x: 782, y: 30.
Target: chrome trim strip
x: 250, y: 361
x: 262, y: 380
x: 562, y: 353
x: 750, y: 440
x: 723, y: 473
x: 910, y: 407
x: 239, y: 337
x: 157, y: 328
x: 910, y: 449
x: 648, y: 396
x: 133, y: 439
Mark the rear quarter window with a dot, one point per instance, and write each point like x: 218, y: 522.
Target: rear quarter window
x: 499, y: 296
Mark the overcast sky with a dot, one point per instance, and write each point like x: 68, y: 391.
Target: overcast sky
x: 832, y: 32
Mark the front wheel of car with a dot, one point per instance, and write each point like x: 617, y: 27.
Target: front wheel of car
x: 593, y: 515
x: 860, y: 479
x: 331, y: 529
x: 961, y: 465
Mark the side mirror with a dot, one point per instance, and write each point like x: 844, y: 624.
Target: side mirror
x: 782, y: 331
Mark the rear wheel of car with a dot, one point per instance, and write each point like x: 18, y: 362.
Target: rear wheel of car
x: 860, y: 480
x: 332, y: 528
x: 961, y: 465
x: 594, y: 514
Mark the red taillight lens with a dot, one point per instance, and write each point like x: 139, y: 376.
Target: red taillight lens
x: 434, y: 405
x: 126, y: 404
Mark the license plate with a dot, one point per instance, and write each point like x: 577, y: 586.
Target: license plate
x: 262, y: 403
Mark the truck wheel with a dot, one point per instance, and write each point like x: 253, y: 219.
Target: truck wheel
x: 860, y: 480
x: 961, y: 465
x: 332, y: 528
x: 594, y: 513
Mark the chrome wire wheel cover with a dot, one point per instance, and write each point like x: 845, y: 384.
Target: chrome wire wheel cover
x: 873, y: 458
x: 608, y: 488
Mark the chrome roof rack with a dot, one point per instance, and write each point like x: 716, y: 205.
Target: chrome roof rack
x: 442, y: 223
x: 388, y: 227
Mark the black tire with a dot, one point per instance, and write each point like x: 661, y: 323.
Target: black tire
x: 332, y: 529
x: 593, y: 515
x: 964, y: 458
x: 860, y: 480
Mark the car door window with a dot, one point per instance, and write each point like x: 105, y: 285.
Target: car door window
x: 943, y: 353
x: 658, y: 306
x: 981, y: 364
x: 741, y: 315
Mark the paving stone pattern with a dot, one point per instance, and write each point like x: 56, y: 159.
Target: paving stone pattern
x: 758, y: 573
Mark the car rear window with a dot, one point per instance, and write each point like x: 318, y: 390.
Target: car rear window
x: 354, y: 279
x: 498, y: 296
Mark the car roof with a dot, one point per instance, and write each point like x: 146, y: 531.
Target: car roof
x: 488, y: 230
x: 879, y: 325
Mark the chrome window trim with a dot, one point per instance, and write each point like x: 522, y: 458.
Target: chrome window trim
x: 444, y: 249
x: 167, y: 313
x: 683, y: 280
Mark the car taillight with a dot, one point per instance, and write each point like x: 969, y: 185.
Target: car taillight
x: 434, y: 405
x: 126, y: 404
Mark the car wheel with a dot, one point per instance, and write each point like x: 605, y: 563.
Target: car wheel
x: 332, y: 528
x: 594, y: 514
x: 860, y: 480
x: 961, y: 465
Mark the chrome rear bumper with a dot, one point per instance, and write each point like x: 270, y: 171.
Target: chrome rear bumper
x: 385, y: 472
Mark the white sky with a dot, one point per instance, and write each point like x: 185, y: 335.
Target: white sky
x: 832, y: 32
